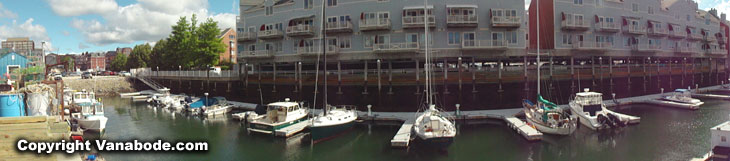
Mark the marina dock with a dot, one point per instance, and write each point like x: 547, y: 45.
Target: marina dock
x: 403, y: 137
x: 527, y: 131
x: 293, y: 129
x: 710, y: 96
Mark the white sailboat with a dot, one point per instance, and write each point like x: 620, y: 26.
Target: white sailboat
x: 91, y: 117
x: 546, y: 116
x: 333, y: 120
x: 431, y: 127
x: 591, y: 111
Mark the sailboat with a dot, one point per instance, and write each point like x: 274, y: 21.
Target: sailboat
x: 544, y: 115
x: 431, y: 127
x: 333, y: 120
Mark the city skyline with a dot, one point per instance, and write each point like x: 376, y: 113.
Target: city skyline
x: 74, y: 27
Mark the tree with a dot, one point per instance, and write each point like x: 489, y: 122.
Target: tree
x: 209, y: 46
x: 139, y: 56
x: 157, y: 57
x: 177, y: 45
x: 119, y: 63
x: 69, y: 63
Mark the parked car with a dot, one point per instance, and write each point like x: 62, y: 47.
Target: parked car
x: 125, y: 74
x: 112, y: 73
x: 57, y: 77
x: 86, y: 75
x: 74, y: 74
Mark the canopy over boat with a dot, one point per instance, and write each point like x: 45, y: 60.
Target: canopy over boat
x: 205, y: 102
x: 547, y: 104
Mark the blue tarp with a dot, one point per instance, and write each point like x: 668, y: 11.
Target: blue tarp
x: 203, y: 101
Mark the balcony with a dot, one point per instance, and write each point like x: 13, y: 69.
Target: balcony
x: 462, y: 20
x: 686, y: 50
x: 676, y: 34
x: 257, y: 54
x: 406, y: 47
x: 709, y: 38
x: 374, y: 24
x: 694, y: 36
x: 721, y: 40
x: 338, y: 27
x: 246, y: 36
x: 315, y: 50
x: 716, y: 51
x: 483, y: 45
x: 636, y: 30
x: 418, y: 21
x: 608, y: 27
x: 652, y: 31
x: 300, y: 30
x: 646, y: 48
x: 574, y: 25
x: 592, y: 46
x: 506, y: 21
x: 271, y: 34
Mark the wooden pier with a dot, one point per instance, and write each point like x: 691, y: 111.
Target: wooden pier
x: 35, y: 128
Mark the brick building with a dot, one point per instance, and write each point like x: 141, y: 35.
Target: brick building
x: 228, y: 37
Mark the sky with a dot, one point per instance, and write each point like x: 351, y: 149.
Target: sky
x: 76, y: 26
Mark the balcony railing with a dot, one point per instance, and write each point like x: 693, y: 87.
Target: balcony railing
x: 342, y: 26
x: 315, y: 50
x: 716, y: 51
x: 710, y: 38
x: 686, y: 50
x: 300, y: 30
x: 418, y: 21
x: 638, y: 30
x: 677, y: 34
x: 574, y: 25
x: 246, y: 36
x: 374, y: 24
x: 608, y: 26
x: 270, y: 34
x: 656, y: 31
x: 396, y: 47
x: 721, y: 40
x: 462, y: 20
x: 590, y: 45
x: 483, y: 44
x: 646, y: 47
x: 694, y: 36
x: 506, y: 21
x: 257, y: 53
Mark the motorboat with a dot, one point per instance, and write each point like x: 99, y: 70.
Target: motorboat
x: 278, y: 115
x: 592, y: 112
x: 91, y: 115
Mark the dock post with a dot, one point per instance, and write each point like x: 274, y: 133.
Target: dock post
x: 658, y: 74
x: 418, y: 77
x: 458, y: 66
x: 671, y: 60
x: 610, y: 72
x: 572, y: 74
x: 458, y: 112
x: 473, y: 78
x: 379, y: 83
x: 365, y: 77
x: 684, y: 70
x: 600, y: 69
x: 229, y: 87
x: 593, y: 71
x: 693, y: 70
x: 273, y: 90
x: 499, y: 75
x: 662, y: 90
x: 300, y: 77
x: 628, y: 69
x: 370, y: 114
x: 390, y: 77
x: 339, y: 77
x: 446, y: 76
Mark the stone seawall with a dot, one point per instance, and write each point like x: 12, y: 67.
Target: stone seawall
x: 101, y: 85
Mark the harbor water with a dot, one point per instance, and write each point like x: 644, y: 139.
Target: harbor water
x: 663, y: 134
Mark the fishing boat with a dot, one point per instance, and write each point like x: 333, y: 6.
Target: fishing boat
x: 546, y: 116
x: 333, y: 120
x: 278, y: 115
x: 431, y: 127
x: 91, y: 115
x: 592, y: 113
x: 221, y: 107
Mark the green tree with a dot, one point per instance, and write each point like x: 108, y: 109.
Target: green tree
x: 157, y: 57
x: 119, y: 63
x: 209, y: 46
x: 139, y: 56
x: 177, y: 45
x: 69, y: 63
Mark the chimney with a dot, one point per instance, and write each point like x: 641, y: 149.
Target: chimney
x: 723, y: 17
x: 713, y: 12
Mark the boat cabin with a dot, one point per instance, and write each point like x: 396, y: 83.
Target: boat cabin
x: 683, y: 92
x: 83, y: 96
x: 592, y: 102
x: 720, y: 141
x: 278, y: 111
x: 91, y: 108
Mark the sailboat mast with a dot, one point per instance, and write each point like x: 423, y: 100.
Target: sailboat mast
x: 322, y: 36
x: 429, y: 100
x: 538, y: 46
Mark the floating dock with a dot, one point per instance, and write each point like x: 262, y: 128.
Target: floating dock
x: 673, y: 104
x: 710, y: 96
x: 403, y: 137
x: 293, y: 129
x: 527, y: 131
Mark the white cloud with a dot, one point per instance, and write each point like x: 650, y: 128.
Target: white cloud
x: 147, y: 21
x: 527, y: 4
x: 723, y: 7
x: 81, y: 7
x: 83, y: 46
x: 26, y: 29
x: 5, y: 13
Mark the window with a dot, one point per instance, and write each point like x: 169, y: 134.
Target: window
x: 723, y: 139
x: 707, y: 21
x: 609, y: 40
x: 345, y: 42
x: 567, y: 39
x: 454, y: 38
x: 269, y: 10
x: 579, y: 2
x: 231, y: 37
x: 251, y: 47
x: 382, y: 39
x: 308, y: 4
x: 368, y: 41
x: 650, y: 10
x: 331, y: 42
x: 497, y: 38
x: 277, y: 46
x: 599, y: 3
x: 687, y: 17
x: 331, y: 3
x: 411, y: 38
x: 635, y: 7
x: 511, y: 37
x: 469, y: 37
x: 430, y: 38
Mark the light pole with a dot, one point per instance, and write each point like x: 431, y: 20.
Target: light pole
x: 158, y: 71
x: 206, y: 99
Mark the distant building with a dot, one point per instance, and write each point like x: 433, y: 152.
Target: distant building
x: 52, y: 59
x: 126, y: 51
x: 228, y: 37
x: 97, y: 61
x: 110, y: 55
x: 20, y: 44
x: 81, y: 62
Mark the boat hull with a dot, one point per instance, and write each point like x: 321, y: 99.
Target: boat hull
x: 436, y: 142
x: 93, y: 123
x: 266, y: 128
x: 549, y: 130
x: 320, y: 133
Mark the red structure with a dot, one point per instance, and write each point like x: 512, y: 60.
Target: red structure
x: 547, y: 26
